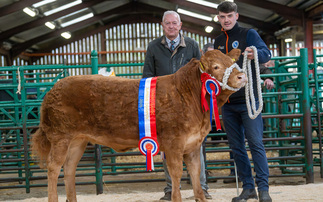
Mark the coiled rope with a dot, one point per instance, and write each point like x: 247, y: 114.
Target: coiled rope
x: 250, y: 97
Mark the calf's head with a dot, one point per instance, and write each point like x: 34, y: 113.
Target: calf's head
x: 215, y: 63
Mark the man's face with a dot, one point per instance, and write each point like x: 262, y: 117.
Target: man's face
x: 171, y: 26
x: 228, y: 20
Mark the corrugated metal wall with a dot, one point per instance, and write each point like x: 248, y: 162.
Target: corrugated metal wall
x: 121, y: 44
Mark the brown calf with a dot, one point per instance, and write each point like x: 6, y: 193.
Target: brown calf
x: 103, y: 110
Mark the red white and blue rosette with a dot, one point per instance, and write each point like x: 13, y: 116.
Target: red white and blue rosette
x: 213, y: 88
x: 149, y: 148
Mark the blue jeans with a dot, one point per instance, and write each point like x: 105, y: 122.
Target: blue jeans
x: 204, y: 185
x: 239, y: 126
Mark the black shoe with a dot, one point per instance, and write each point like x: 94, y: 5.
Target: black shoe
x: 264, y: 196
x: 245, y: 195
x: 231, y: 180
x: 167, y: 197
x: 207, y: 195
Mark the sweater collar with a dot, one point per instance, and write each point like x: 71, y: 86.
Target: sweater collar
x: 234, y: 28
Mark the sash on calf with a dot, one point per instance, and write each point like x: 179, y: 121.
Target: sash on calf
x: 148, y: 144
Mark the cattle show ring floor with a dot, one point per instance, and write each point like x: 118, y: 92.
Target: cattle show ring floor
x: 283, y: 189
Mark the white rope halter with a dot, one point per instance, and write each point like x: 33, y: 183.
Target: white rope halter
x: 250, y: 97
x: 226, y: 75
x: 224, y: 85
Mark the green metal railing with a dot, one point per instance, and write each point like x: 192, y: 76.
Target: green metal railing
x: 288, y: 120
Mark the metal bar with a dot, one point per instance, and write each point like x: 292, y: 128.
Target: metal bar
x: 307, y: 127
x: 98, y: 170
x: 318, y: 112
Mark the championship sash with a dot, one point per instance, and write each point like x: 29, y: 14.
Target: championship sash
x: 211, y: 86
x: 148, y: 144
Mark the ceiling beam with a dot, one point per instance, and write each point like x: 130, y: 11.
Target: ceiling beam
x: 126, y: 8
x: 261, y: 25
x: 315, y: 12
x: 193, y: 6
x: 119, y: 20
x: 17, y: 6
x: 98, y: 27
x: 41, y: 21
x: 294, y: 15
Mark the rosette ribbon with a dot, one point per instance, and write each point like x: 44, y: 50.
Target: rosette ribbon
x: 212, y: 87
x: 148, y: 144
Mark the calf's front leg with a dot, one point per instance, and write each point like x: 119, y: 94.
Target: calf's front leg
x: 175, y: 169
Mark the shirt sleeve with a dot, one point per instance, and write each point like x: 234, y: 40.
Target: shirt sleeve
x: 265, y: 70
x: 149, y: 65
x: 253, y: 39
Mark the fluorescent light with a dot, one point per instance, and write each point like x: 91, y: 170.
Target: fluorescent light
x: 208, y: 29
x: 204, y: 3
x: 189, y: 13
x: 30, y: 11
x: 42, y: 3
x: 288, y: 40
x: 50, y: 25
x: 215, y: 19
x: 66, y: 6
x: 76, y: 12
x: 76, y: 20
x: 66, y: 35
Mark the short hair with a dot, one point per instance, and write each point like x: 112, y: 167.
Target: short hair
x: 206, y: 46
x: 227, y: 7
x: 172, y: 13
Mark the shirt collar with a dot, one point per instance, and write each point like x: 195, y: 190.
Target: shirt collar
x: 176, y: 40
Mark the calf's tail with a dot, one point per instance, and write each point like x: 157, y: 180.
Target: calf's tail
x: 40, y: 147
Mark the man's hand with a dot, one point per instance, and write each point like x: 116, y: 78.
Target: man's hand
x: 250, y: 54
x: 269, y: 84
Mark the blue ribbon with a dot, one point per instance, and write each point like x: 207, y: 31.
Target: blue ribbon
x: 208, y: 84
x: 141, y: 108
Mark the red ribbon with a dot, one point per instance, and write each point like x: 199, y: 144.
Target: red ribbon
x: 205, y: 106
x: 214, y: 105
x: 149, y: 158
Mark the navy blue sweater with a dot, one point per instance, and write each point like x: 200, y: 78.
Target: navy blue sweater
x: 239, y: 37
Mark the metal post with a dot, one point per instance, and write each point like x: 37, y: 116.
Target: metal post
x: 307, y: 125
x: 237, y: 180
x: 98, y: 169
x: 24, y: 127
x: 94, y: 62
x: 98, y: 152
x: 318, y: 112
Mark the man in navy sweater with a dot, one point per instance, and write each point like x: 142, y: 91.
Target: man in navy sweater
x: 235, y: 116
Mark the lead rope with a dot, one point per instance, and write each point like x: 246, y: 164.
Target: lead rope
x: 250, y: 97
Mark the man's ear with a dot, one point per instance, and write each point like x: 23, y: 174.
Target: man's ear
x: 234, y: 54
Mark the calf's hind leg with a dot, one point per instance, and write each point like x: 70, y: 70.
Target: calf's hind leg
x: 75, y: 152
x: 55, y: 160
x: 193, y: 164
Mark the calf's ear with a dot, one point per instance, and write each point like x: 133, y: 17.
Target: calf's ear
x: 234, y: 54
